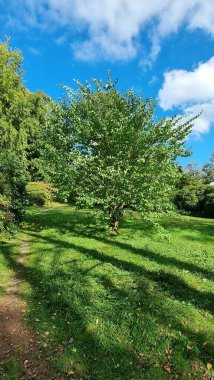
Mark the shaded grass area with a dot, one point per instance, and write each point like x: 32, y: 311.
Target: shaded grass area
x: 11, y: 370
x: 5, y: 268
x: 135, y: 306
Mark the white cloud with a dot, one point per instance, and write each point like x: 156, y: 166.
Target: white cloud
x: 34, y: 50
x: 154, y: 79
x: 112, y: 27
x: 60, y: 40
x: 206, y: 119
x: 192, y: 92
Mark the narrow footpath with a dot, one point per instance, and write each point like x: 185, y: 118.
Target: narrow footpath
x: 18, y: 344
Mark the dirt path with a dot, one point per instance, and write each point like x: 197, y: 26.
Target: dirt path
x: 18, y: 344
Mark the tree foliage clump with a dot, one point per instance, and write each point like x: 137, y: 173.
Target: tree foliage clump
x: 195, y: 194
x: 40, y: 193
x: 208, y: 170
x: 110, y: 148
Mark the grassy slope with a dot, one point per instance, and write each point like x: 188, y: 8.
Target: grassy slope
x: 136, y: 305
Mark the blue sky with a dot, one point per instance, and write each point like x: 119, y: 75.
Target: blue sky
x: 163, y: 48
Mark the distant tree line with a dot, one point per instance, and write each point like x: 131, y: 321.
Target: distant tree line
x: 195, y: 190
x: 101, y: 148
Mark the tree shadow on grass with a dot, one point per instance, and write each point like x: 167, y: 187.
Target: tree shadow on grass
x: 48, y: 289
x: 158, y: 258
x: 170, y: 283
x: 204, y: 226
x: 82, y: 225
x: 48, y: 300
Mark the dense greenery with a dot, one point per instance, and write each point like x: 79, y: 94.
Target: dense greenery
x: 40, y: 193
x: 208, y: 171
x: 114, y: 153
x: 23, y: 116
x: 138, y: 305
x: 195, y: 193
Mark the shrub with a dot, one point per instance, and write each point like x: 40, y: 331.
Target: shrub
x: 4, y: 202
x: 7, y: 218
x: 189, y: 197
x: 4, y: 187
x: 40, y: 193
x: 207, y: 204
x: 196, y: 198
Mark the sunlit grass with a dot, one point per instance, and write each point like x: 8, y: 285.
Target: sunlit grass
x: 135, y: 306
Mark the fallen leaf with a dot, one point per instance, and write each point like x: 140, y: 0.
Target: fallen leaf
x: 167, y: 369
x: 71, y: 373
x: 209, y: 366
x: 189, y: 347
x: 168, y: 353
x: 196, y: 330
x: 71, y: 341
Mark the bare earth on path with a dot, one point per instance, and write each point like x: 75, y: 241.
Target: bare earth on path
x: 17, y: 342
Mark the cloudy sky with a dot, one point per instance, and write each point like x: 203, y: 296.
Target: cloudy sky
x: 164, y: 48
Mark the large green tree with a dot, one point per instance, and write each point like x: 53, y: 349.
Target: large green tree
x: 23, y: 116
x: 114, y: 152
x: 208, y: 170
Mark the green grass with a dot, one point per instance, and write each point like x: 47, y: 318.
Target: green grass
x: 4, y: 275
x: 5, y: 268
x: 11, y: 370
x: 137, y: 306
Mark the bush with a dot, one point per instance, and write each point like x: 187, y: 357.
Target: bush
x: 196, y: 198
x: 189, y: 197
x: 40, y: 193
x: 207, y: 204
x: 4, y: 187
x: 4, y: 202
x: 7, y: 218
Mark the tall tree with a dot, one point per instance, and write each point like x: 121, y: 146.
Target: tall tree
x: 23, y: 116
x: 208, y: 170
x: 114, y: 151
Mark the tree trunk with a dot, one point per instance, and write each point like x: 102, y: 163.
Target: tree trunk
x: 114, y: 225
x: 115, y: 216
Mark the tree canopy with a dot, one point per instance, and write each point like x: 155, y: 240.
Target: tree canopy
x: 113, y: 150
x: 208, y: 170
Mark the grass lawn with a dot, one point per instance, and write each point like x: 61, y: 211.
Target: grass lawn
x: 135, y: 306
